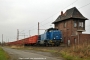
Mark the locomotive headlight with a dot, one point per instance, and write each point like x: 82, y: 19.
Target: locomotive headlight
x: 54, y: 38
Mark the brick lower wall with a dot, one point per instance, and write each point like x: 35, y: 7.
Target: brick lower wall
x: 74, y: 40
x: 84, y: 38
x: 79, y: 39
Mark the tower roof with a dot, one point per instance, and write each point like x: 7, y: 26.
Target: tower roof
x: 70, y: 13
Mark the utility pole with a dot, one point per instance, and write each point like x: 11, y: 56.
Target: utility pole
x: 23, y: 38
x: 17, y: 34
x: 24, y: 35
x: 8, y: 40
x: 2, y: 39
x: 38, y: 28
x: 29, y: 33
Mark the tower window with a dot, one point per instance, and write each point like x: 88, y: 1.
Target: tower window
x: 75, y: 40
x: 80, y: 24
x: 64, y: 24
x: 75, y: 24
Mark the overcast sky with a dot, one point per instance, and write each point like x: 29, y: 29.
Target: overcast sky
x: 25, y: 15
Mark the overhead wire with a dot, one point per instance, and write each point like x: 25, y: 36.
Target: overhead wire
x: 84, y: 6
x: 80, y: 7
x: 56, y: 13
x: 70, y: 4
x: 60, y: 10
x: 52, y: 16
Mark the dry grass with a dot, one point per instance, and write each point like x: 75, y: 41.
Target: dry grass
x: 16, y: 47
x: 77, y: 52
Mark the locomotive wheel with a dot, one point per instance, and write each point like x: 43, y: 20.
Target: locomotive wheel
x: 56, y: 44
x: 46, y: 44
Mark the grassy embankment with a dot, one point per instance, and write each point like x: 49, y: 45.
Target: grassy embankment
x: 77, y: 52
x: 3, y: 55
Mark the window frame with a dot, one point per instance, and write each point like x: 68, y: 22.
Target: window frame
x: 75, y: 23
x: 65, y: 24
x: 81, y: 24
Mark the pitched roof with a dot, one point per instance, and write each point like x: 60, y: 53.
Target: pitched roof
x: 70, y: 13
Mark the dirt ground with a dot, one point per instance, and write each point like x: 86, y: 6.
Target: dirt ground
x: 28, y: 54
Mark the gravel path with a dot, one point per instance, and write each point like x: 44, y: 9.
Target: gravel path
x: 29, y: 55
